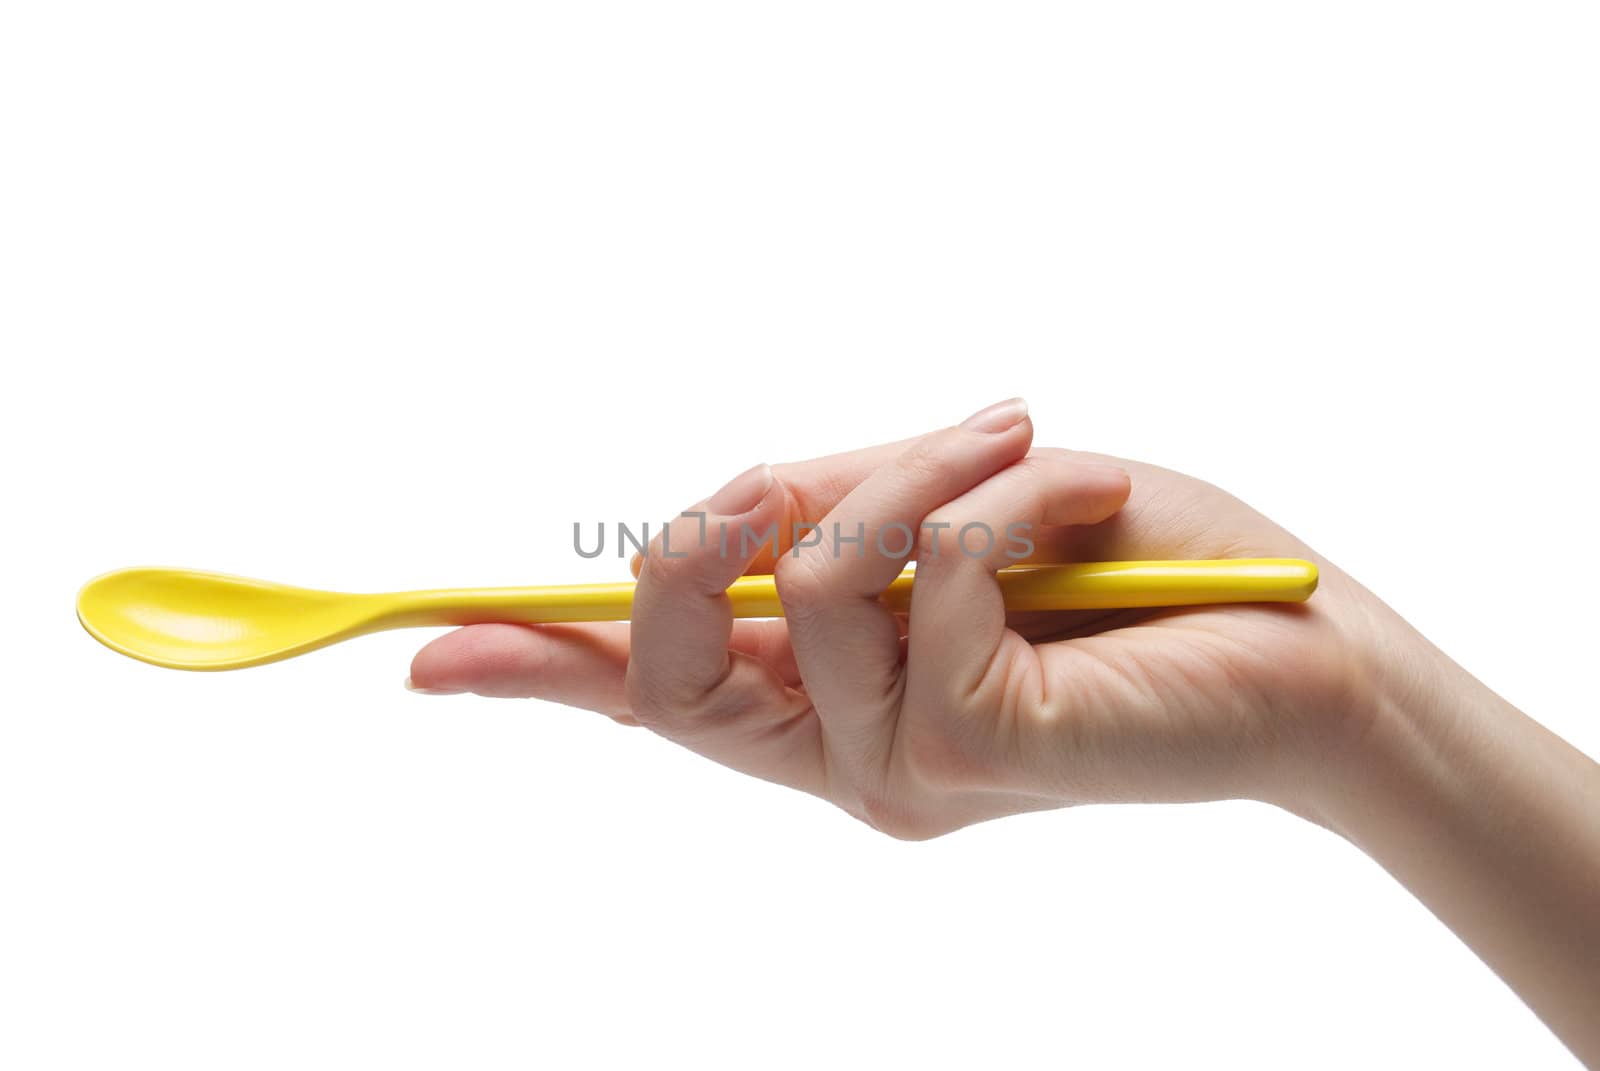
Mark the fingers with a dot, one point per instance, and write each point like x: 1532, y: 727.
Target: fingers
x: 810, y: 489
x: 575, y: 665
x: 958, y: 614
x: 846, y: 643
x: 682, y: 621
x: 683, y: 679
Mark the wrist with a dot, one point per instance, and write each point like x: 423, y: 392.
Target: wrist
x: 1488, y: 818
x: 1395, y: 725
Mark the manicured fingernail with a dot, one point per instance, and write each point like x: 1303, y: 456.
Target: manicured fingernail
x: 1001, y: 416
x: 433, y: 691
x: 743, y: 492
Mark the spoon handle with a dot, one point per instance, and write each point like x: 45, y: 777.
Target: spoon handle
x: 1080, y: 586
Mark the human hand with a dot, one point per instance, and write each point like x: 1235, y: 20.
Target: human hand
x: 958, y: 712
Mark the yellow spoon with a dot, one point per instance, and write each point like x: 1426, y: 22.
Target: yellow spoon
x: 183, y: 619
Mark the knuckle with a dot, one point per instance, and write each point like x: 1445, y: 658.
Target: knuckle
x: 802, y: 582
x: 655, y: 701
x: 894, y: 817
x: 645, y: 701
x: 675, y: 704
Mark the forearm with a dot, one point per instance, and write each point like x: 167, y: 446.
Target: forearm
x: 1491, y: 821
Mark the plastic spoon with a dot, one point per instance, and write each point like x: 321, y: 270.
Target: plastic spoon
x: 184, y: 619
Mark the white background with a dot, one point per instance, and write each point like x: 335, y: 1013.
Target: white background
x: 387, y: 295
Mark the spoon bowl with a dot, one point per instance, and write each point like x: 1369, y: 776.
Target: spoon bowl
x: 186, y: 619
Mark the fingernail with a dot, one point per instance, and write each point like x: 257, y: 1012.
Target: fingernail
x: 742, y: 493
x: 433, y: 691
x: 1001, y: 416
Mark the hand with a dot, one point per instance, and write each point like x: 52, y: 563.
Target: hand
x: 959, y: 712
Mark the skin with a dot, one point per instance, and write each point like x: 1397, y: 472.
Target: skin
x: 1335, y: 709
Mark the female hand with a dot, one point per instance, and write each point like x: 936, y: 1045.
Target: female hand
x: 957, y: 712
